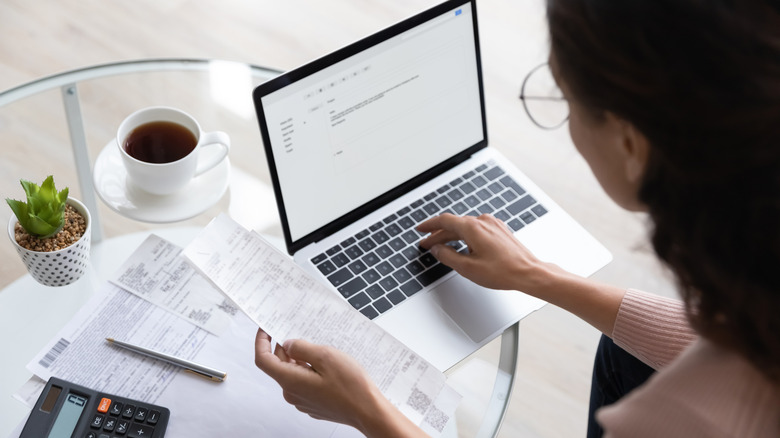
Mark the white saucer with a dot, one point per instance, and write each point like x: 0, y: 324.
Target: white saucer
x: 114, y: 188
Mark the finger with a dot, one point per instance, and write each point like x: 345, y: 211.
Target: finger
x: 447, y: 255
x: 439, y: 236
x: 282, y: 354
x: 305, y: 351
x: 445, y: 221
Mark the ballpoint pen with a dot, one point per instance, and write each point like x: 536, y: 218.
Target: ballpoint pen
x: 209, y: 373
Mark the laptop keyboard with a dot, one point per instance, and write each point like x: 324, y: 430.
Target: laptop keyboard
x: 381, y: 266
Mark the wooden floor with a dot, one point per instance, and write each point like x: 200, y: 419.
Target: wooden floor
x: 43, y: 37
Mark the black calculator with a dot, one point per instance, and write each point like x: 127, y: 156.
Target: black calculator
x: 67, y: 410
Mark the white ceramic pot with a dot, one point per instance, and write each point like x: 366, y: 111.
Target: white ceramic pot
x: 61, y: 267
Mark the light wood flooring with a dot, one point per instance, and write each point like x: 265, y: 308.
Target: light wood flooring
x: 43, y: 37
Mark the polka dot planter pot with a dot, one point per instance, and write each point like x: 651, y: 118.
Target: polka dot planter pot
x: 61, y: 267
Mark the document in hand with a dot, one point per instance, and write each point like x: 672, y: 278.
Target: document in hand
x: 288, y: 304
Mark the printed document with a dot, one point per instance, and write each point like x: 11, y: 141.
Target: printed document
x: 156, y: 273
x: 288, y: 303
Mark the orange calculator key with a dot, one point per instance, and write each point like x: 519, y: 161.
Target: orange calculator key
x: 105, y: 403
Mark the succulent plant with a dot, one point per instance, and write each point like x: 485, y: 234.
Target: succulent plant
x: 43, y: 215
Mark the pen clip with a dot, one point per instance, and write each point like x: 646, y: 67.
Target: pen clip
x: 207, y: 376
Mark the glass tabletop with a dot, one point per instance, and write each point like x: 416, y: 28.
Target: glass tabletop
x: 64, y: 125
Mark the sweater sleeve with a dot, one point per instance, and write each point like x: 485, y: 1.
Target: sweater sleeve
x: 654, y: 329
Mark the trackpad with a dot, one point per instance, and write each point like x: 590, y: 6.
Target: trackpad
x: 482, y: 312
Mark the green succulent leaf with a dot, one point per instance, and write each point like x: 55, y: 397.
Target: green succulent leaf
x: 44, y: 213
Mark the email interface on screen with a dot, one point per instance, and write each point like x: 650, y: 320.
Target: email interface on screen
x: 351, y: 132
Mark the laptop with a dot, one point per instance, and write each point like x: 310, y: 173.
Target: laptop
x: 365, y: 143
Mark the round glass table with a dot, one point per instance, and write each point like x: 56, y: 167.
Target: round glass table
x: 64, y: 125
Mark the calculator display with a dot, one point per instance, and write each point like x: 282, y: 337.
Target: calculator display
x: 68, y: 417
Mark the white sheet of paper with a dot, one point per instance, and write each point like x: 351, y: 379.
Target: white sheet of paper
x: 156, y: 273
x: 247, y: 403
x: 288, y: 303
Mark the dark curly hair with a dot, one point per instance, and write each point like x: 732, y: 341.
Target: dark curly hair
x: 701, y: 80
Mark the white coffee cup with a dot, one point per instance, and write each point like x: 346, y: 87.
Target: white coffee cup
x: 169, y: 177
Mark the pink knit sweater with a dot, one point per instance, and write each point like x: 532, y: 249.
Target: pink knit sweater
x: 701, y: 389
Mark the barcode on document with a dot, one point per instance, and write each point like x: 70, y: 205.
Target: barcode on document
x: 52, y: 355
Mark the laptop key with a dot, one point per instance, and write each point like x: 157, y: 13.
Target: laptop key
x: 393, y: 230
x: 484, y: 194
x: 468, y: 174
x: 360, y: 300
x: 431, y: 209
x: 503, y: 215
x: 443, y: 201
x: 481, y: 167
x: 403, y: 211
x: 478, y: 181
x: 515, y: 224
x: 485, y: 209
x: 340, y: 259
x: 455, y: 194
x: 362, y: 234
x: 319, y: 259
x: 352, y: 287
x: 539, y: 210
x: 471, y: 201
x: 497, y: 202
x: 433, y: 274
x: 520, y: 205
x: 367, y: 245
x: 371, y: 276
x: 396, y: 296
x: 412, y: 252
x: 428, y: 260
x: 467, y: 187
x: 419, y: 215
x: 388, y: 283
x: 357, y: 267
x: 496, y: 188
x: 353, y: 252
x: 412, y: 286
x: 384, y: 251
x: 390, y: 219
x: 509, y: 182
x: 382, y: 305
x: 339, y: 277
x: 384, y: 268
x: 370, y: 259
x: 376, y: 226
x: 460, y: 208
x: 374, y: 291
x: 333, y: 250
x: 348, y: 242
x: 397, y: 244
x: 494, y: 173
x: 402, y: 275
x: 409, y: 236
x: 528, y: 217
x: 380, y: 237
x: 417, y: 203
x: 398, y: 260
x: 509, y: 195
x: 415, y: 267
x: 369, y: 312
x: 406, y: 222
x: 326, y: 268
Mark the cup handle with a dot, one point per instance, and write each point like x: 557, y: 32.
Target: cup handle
x: 209, y: 139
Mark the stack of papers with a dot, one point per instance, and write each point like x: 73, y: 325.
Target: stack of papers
x: 185, y: 303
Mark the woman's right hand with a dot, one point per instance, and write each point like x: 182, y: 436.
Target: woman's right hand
x: 496, y: 259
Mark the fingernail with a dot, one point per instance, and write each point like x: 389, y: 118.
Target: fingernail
x: 287, y: 344
x: 435, y: 250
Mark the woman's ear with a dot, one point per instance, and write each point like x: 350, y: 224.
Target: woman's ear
x: 636, y: 149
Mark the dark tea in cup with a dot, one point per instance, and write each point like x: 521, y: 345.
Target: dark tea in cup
x: 160, y: 142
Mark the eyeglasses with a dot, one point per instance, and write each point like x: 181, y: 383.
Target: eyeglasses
x: 542, y: 99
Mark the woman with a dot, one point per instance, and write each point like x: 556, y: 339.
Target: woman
x: 675, y: 106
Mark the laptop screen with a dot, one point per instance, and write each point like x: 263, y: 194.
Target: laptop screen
x: 348, y: 132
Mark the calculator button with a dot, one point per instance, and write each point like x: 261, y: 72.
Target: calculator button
x: 91, y: 435
x: 97, y: 421
x: 121, y: 427
x: 105, y: 403
x: 102, y: 435
x: 153, y: 417
x: 116, y: 409
x: 140, y: 414
x: 110, y: 424
x: 140, y: 431
x: 128, y: 411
